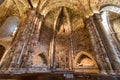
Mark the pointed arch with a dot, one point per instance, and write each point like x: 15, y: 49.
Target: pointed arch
x: 110, y: 7
x: 58, y: 4
x: 40, y: 60
x: 84, y: 60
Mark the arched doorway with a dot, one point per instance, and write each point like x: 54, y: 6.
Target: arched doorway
x: 2, y: 51
x: 84, y: 62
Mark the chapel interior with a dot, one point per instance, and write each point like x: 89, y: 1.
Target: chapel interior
x: 59, y: 39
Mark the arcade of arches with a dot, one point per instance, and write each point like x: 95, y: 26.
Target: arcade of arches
x: 60, y: 39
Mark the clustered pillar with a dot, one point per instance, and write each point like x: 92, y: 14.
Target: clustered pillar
x: 104, y: 54
x: 25, y: 45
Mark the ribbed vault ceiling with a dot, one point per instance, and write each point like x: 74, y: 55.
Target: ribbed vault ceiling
x: 74, y: 11
x: 84, y: 7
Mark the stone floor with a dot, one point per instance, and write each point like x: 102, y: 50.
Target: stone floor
x: 60, y: 77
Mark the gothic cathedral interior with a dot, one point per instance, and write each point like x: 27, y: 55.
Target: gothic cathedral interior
x: 59, y: 40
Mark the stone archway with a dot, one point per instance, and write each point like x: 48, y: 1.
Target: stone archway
x: 84, y: 62
x: 111, y: 8
x: 69, y: 4
x: 40, y: 60
x: 2, y: 51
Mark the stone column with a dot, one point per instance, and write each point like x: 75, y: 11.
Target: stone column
x: 100, y: 54
x: 90, y: 26
x: 110, y: 50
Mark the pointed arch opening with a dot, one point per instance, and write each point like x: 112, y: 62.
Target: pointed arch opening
x: 40, y: 60
x: 84, y: 62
